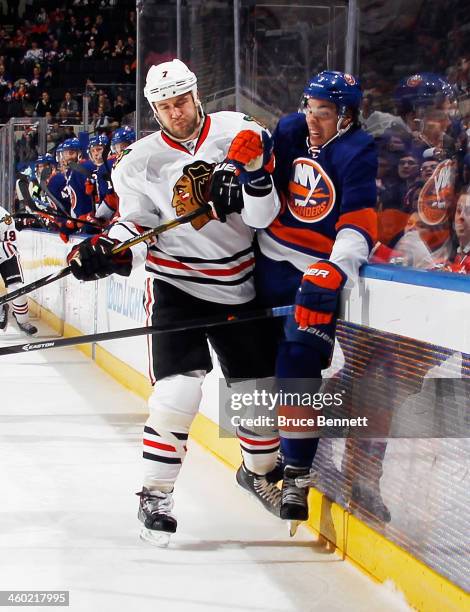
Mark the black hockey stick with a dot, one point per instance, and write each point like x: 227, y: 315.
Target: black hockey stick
x: 228, y: 319
x: 80, y: 168
x: 51, y: 278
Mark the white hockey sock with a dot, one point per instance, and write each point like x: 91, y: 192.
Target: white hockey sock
x: 20, y: 305
x: 259, y: 452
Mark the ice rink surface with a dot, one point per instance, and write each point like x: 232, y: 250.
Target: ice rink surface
x: 70, y: 455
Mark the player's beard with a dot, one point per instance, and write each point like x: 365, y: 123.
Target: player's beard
x: 186, y: 130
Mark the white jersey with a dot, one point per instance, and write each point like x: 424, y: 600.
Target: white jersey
x: 7, y: 235
x: 158, y: 180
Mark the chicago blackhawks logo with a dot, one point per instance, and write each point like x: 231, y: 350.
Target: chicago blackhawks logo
x: 437, y: 195
x: 189, y: 191
x: 311, y: 191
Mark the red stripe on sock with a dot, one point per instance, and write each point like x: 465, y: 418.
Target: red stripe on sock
x: 166, y: 447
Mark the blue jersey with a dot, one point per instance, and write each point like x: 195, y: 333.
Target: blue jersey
x: 104, y: 185
x: 320, y: 193
x: 57, y: 185
x: 81, y: 202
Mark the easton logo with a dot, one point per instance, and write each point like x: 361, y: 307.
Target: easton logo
x: 32, y: 347
x: 311, y: 191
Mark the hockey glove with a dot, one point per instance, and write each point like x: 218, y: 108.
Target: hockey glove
x: 225, y: 191
x: 92, y: 259
x: 252, y: 154
x: 318, y: 294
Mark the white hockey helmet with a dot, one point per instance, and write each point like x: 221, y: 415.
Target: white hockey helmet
x: 169, y: 79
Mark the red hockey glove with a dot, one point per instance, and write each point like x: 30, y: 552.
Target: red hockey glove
x: 92, y: 259
x: 252, y: 154
x: 90, y: 186
x: 318, y: 294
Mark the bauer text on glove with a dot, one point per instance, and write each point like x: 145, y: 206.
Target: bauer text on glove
x: 225, y: 192
x: 318, y: 294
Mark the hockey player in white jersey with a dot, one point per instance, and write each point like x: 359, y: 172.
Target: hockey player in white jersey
x: 199, y: 269
x: 12, y: 275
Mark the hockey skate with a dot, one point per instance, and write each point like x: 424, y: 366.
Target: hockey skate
x: 260, y: 487
x: 155, y: 513
x: 277, y: 473
x: 294, y: 504
x: 26, y: 327
x: 4, y: 316
x: 366, y: 499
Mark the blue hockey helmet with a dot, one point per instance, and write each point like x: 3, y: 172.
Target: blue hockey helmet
x: 96, y: 141
x: 341, y: 88
x: 45, y: 159
x: 123, y: 134
x: 71, y: 144
x: 422, y: 89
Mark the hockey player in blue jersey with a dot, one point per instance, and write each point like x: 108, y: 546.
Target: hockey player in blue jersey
x: 81, y: 203
x: 325, y: 175
x: 121, y: 139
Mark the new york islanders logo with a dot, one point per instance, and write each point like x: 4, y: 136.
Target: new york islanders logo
x: 437, y: 195
x: 311, y: 191
x: 414, y: 81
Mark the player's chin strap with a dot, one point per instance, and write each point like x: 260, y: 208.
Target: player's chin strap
x: 314, y: 150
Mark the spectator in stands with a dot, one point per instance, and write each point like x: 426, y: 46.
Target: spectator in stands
x: 4, y: 38
x: 119, y: 48
x: 48, y: 78
x: 34, y: 54
x: 44, y: 105
x: 20, y: 39
x: 127, y: 75
x: 463, y: 76
x: 427, y: 168
x: 408, y: 168
x: 103, y: 101
x: 53, y: 54
x: 9, y: 93
x: 42, y: 17
x: 69, y: 110
x: 100, y: 120
x: 36, y: 83
x: 105, y: 50
x: 130, y: 47
x: 91, y: 51
x: 130, y: 26
x: 4, y: 76
x: 461, y: 261
x: 120, y: 108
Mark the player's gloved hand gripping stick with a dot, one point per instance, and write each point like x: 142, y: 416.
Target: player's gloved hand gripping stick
x: 116, y: 250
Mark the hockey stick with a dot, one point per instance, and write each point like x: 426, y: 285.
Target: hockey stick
x: 229, y: 319
x: 80, y: 168
x: 51, y: 278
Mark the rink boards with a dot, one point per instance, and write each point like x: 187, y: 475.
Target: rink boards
x: 398, y: 326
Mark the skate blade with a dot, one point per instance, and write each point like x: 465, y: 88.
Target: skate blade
x: 161, y: 539
x: 293, y: 526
